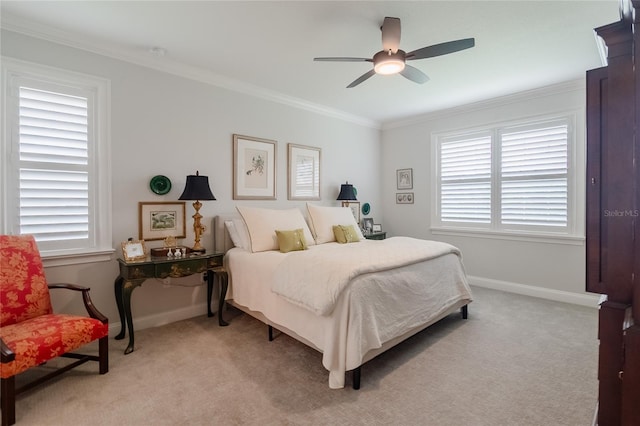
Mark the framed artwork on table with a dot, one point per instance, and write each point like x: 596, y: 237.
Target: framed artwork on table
x: 377, y: 227
x: 159, y: 220
x: 404, y: 179
x: 303, y: 172
x: 254, y: 168
x: 367, y: 224
x: 134, y: 250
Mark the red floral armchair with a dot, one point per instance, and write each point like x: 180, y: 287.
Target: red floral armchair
x: 30, y: 333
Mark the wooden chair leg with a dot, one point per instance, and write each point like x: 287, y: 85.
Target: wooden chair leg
x: 8, y: 396
x: 103, y: 352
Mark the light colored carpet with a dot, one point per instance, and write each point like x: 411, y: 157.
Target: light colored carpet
x: 517, y: 360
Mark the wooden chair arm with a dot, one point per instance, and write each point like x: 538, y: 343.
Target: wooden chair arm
x: 6, y: 354
x: 88, y: 303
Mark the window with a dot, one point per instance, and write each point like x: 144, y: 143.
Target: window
x: 510, y: 178
x: 55, y: 160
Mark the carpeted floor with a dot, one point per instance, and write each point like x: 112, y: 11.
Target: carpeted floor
x: 517, y: 360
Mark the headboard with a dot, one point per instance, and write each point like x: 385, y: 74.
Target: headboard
x: 221, y: 240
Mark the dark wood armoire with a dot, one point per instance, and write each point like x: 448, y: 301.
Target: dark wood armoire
x: 613, y: 215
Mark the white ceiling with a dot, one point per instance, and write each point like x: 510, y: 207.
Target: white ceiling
x: 267, y: 47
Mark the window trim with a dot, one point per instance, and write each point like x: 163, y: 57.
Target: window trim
x: 100, y: 161
x: 568, y: 235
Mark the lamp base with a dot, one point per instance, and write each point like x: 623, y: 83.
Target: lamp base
x: 201, y: 250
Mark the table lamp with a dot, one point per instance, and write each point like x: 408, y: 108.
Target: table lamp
x: 347, y: 193
x: 197, y: 188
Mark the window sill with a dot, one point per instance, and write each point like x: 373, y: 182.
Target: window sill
x: 573, y: 240
x: 63, y: 259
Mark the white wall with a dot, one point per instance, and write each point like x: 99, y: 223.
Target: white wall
x: 165, y: 124
x: 545, y: 269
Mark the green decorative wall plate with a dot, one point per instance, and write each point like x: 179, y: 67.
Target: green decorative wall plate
x: 366, y: 208
x: 160, y: 184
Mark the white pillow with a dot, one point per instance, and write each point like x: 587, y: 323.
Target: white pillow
x: 323, y: 219
x: 238, y: 233
x: 263, y: 223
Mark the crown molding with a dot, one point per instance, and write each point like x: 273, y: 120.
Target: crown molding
x: 541, y: 92
x: 82, y: 42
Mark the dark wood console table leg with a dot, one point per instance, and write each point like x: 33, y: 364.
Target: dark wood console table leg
x: 209, y: 292
x: 224, y: 283
x: 123, y: 291
x: 120, y: 304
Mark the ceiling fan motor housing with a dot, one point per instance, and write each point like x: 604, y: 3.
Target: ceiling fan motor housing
x: 386, y: 62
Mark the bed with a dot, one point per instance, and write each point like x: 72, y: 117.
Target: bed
x: 350, y: 301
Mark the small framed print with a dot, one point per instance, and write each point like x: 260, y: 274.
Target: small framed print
x: 134, y: 250
x: 377, y: 227
x: 404, y: 198
x: 404, y: 178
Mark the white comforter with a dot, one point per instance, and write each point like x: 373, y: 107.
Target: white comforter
x: 302, y: 280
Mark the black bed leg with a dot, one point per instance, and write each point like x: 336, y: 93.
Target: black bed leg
x: 270, y: 334
x: 465, y: 311
x: 356, y: 378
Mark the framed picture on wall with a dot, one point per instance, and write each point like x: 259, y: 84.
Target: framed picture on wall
x: 254, y: 168
x: 303, y: 172
x: 404, y: 198
x: 159, y: 220
x: 404, y: 178
x: 355, y: 209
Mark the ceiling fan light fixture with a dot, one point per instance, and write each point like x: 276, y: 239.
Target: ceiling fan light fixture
x: 387, y: 63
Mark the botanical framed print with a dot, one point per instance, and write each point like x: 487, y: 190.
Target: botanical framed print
x: 303, y: 172
x: 159, y: 220
x: 404, y: 178
x: 404, y: 198
x: 134, y: 250
x: 355, y: 208
x: 254, y: 168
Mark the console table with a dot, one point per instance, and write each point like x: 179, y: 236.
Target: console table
x: 134, y: 273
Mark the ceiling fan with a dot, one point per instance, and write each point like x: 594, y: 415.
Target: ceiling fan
x: 392, y: 60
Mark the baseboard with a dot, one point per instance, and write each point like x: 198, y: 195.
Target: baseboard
x: 161, y: 318
x: 590, y: 300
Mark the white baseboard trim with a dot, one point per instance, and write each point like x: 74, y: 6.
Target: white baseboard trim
x: 162, y: 318
x: 590, y: 300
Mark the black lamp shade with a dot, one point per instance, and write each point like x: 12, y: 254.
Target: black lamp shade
x: 346, y: 193
x: 197, y: 188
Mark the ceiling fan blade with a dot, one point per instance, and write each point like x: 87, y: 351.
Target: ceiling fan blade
x: 441, y: 49
x: 390, y: 34
x: 414, y: 74
x: 360, y: 79
x: 344, y: 59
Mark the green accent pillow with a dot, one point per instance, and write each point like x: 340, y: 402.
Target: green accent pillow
x: 345, y: 234
x: 291, y: 240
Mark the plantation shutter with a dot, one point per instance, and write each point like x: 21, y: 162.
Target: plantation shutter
x: 53, y: 146
x: 465, y: 179
x: 533, y: 176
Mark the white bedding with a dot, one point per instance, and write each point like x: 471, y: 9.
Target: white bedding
x: 303, y: 280
x: 373, y: 309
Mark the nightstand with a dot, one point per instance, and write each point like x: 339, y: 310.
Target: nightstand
x: 376, y: 236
